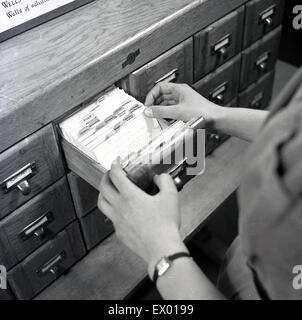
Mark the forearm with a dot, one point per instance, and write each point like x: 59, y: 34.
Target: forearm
x: 184, y: 280
x: 239, y: 122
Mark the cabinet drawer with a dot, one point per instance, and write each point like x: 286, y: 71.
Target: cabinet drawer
x: 92, y: 139
x: 36, y: 222
x: 47, y: 263
x: 176, y: 65
x: 221, y: 86
x: 218, y: 43
x: 258, y: 95
x: 85, y: 197
x: 96, y: 227
x: 27, y: 168
x: 260, y: 58
x: 83, y: 166
x: 262, y: 16
x: 214, y: 140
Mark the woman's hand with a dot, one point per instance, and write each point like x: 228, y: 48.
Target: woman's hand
x: 148, y: 225
x: 179, y: 102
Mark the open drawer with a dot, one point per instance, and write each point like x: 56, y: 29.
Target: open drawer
x: 168, y: 152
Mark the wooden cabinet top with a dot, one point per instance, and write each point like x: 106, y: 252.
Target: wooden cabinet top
x: 56, y: 66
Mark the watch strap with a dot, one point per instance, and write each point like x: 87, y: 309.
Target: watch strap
x: 170, y: 258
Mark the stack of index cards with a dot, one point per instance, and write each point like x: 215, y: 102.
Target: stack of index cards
x: 113, y: 126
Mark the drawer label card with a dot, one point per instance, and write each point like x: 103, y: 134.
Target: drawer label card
x: 225, y: 42
x: 16, y: 12
x: 21, y: 175
x: 268, y: 13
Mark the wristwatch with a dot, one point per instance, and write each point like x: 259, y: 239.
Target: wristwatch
x: 164, y: 264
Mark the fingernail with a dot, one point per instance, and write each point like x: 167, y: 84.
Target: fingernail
x: 155, y: 178
x: 148, y: 112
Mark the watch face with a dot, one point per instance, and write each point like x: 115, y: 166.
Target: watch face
x: 163, y: 265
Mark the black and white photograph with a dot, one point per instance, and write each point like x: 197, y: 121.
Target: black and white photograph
x: 150, y: 153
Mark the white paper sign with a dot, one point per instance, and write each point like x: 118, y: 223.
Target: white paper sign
x: 16, y: 12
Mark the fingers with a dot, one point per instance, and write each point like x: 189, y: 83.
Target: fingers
x: 164, y: 97
x: 121, y: 182
x: 162, y: 112
x: 107, y: 189
x: 165, y: 184
x: 162, y: 88
x: 168, y: 103
x: 105, y: 208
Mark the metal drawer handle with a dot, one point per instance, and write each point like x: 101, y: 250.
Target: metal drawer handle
x: 53, y: 265
x: 169, y: 77
x: 266, y: 17
x: 218, y: 95
x: 257, y: 101
x: 262, y: 61
x: 37, y: 228
x: 19, y: 179
x: 215, y: 137
x: 176, y: 171
x: 221, y: 46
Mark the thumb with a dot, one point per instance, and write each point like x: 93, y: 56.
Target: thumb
x: 165, y: 184
x: 162, y: 112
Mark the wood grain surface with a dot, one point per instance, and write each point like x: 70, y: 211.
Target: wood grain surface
x: 255, y: 9
x: 55, y: 201
x: 26, y: 279
x: 231, y: 27
x: 179, y: 58
x: 55, y: 67
x: 227, y: 74
x: 84, y: 196
x: 40, y: 148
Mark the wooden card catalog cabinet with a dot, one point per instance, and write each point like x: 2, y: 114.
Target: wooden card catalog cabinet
x: 17, y: 16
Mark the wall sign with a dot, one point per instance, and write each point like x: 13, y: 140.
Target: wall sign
x: 17, y: 16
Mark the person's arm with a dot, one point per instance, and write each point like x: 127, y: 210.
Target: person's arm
x: 181, y: 102
x: 184, y: 280
x: 240, y: 122
x: 149, y: 226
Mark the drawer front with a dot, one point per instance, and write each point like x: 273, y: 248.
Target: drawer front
x: 83, y: 166
x: 218, y: 43
x: 85, y: 197
x: 221, y: 86
x: 258, y: 95
x: 96, y: 227
x: 262, y: 16
x: 38, y: 221
x: 176, y: 65
x: 260, y: 58
x: 27, y: 168
x: 47, y: 263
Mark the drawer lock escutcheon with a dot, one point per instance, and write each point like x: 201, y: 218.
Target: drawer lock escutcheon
x: 169, y: 77
x: 221, y: 46
x: 266, y: 17
x: 19, y: 179
x: 52, y: 266
x: 37, y: 228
